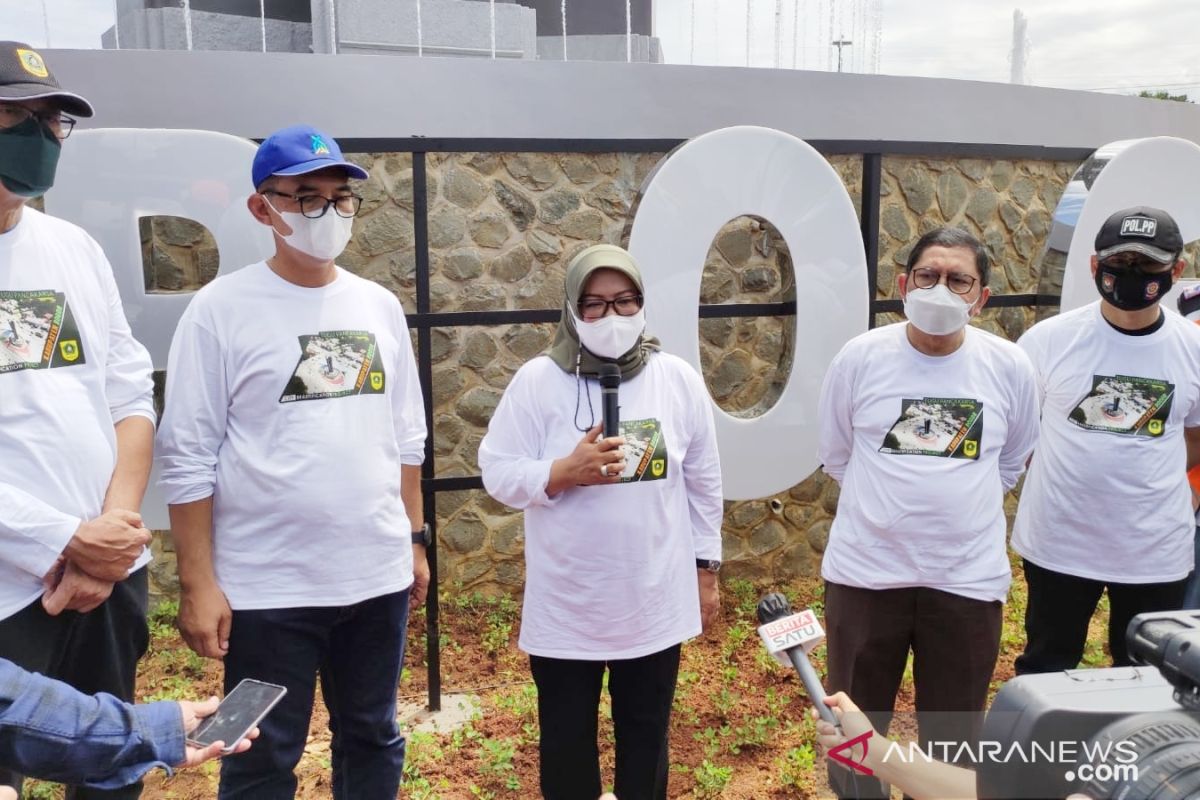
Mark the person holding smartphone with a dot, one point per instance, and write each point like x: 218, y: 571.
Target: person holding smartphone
x: 51, y: 731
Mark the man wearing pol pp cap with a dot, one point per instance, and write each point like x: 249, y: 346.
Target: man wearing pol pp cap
x: 291, y: 447
x: 77, y: 415
x: 1107, y: 503
x: 925, y: 424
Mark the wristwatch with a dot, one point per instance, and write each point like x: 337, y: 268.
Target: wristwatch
x: 710, y: 564
x: 423, y: 536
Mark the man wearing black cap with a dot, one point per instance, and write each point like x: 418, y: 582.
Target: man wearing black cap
x: 291, y: 446
x: 1107, y: 504
x: 78, y: 419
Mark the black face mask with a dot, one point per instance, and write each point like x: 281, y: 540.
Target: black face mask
x: 1131, y: 289
x: 28, y: 158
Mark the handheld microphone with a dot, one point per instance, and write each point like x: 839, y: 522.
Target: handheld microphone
x: 610, y: 379
x: 790, y: 638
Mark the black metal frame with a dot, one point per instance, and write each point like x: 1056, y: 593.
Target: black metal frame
x: 424, y: 320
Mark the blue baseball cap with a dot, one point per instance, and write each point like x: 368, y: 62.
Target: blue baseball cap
x: 299, y: 150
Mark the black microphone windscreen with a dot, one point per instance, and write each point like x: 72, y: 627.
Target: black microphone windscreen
x: 772, y: 607
x: 610, y: 376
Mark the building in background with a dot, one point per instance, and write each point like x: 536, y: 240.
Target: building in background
x: 596, y: 30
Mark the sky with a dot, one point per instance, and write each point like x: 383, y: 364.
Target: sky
x: 1107, y: 45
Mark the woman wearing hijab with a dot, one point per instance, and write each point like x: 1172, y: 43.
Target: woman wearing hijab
x: 622, y: 534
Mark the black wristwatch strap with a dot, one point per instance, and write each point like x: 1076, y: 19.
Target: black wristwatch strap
x: 710, y: 564
x: 423, y: 536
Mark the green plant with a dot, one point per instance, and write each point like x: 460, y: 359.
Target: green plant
x: 710, y: 740
x: 755, y: 732
x: 39, y: 790
x: 744, y: 595
x: 736, y: 636
x: 496, y: 758
x: 711, y: 779
x: 795, y: 765
x: 724, y: 702
x: 161, y: 620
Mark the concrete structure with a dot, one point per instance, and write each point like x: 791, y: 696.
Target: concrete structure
x: 596, y: 28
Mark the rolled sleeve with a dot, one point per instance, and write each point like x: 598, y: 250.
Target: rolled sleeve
x: 128, y: 375
x: 408, y: 403
x: 195, y: 416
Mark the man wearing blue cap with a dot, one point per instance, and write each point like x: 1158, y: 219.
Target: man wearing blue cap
x: 290, y: 448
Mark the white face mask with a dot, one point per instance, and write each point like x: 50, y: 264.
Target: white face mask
x: 324, y: 238
x: 612, y: 336
x: 936, y: 311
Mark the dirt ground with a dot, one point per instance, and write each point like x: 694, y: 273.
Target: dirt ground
x: 740, y: 728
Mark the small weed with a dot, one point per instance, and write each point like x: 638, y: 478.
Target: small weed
x: 496, y: 758
x: 162, y: 619
x: 796, y: 765
x: 745, y: 597
x: 39, y: 790
x: 711, y: 779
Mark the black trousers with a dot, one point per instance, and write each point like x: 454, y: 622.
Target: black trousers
x: 94, y: 652
x: 642, y: 690
x: 1061, y: 606
x: 954, y: 641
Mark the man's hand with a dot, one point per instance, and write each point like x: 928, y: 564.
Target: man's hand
x: 69, y: 588
x: 594, y: 460
x: 205, y: 619
x: 710, y: 598
x: 420, y: 586
x: 193, y: 712
x: 106, y: 547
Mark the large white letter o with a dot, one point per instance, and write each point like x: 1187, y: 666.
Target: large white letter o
x: 705, y: 183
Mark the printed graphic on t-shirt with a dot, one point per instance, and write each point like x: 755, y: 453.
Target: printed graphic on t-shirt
x: 38, y: 331
x: 951, y: 427
x: 1125, y: 405
x: 645, y: 450
x: 336, y: 364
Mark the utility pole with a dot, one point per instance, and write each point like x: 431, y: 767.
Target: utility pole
x: 839, y: 44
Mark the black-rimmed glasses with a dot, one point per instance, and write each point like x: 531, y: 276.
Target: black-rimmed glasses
x: 314, y: 206
x: 957, y: 282
x: 58, y: 123
x: 593, y: 308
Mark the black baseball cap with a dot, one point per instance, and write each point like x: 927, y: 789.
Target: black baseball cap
x: 25, y: 76
x: 1149, y: 231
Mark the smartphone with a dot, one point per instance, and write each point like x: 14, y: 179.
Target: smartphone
x: 239, y: 712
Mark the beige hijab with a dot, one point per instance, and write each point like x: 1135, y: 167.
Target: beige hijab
x: 566, y: 351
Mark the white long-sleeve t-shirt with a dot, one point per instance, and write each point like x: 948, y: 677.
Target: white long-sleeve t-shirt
x: 294, y: 408
x: 610, y: 570
x: 1107, y: 497
x: 924, y: 448
x: 69, y: 371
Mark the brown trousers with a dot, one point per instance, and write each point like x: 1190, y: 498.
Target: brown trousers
x: 954, y: 640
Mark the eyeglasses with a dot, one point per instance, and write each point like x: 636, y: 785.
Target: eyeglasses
x: 314, y: 206
x: 591, y: 308
x: 957, y: 282
x: 58, y: 123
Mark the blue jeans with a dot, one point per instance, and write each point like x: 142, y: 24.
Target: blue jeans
x: 358, y: 651
x: 1191, y: 592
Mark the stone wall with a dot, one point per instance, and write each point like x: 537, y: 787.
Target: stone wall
x: 502, y: 227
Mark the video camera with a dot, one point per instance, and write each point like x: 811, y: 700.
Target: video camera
x: 1130, y: 733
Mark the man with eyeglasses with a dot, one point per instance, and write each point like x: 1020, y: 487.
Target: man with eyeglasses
x: 290, y: 447
x: 1107, y: 505
x: 77, y: 414
x: 925, y: 424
